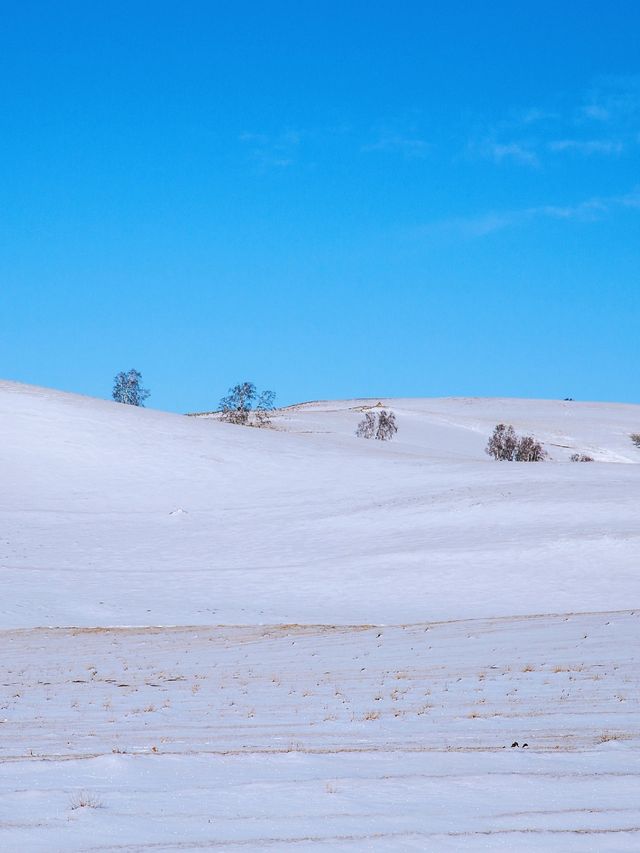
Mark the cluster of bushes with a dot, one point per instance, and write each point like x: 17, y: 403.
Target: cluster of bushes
x: 380, y: 425
x: 506, y: 445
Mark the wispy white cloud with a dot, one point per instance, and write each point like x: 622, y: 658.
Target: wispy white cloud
x: 499, y: 152
x: 613, y: 99
x: 532, y: 115
x: 587, y: 146
x: 530, y: 136
x: 273, y: 150
x: 631, y: 199
x: 596, y: 112
x: 407, y: 146
x: 516, y: 151
x: 480, y: 225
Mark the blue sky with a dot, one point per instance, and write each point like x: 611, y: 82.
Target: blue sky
x: 331, y: 199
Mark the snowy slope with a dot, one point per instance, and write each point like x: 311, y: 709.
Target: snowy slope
x: 113, y: 515
x: 306, y: 738
x: 362, y: 630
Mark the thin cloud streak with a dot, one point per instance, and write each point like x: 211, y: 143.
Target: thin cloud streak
x: 587, y: 146
x: 513, y: 151
x: 275, y: 152
x: 530, y: 136
x: 613, y: 99
x: 409, y: 147
x: 481, y: 225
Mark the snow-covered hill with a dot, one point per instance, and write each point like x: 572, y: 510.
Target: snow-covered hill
x: 113, y: 515
x: 355, y: 645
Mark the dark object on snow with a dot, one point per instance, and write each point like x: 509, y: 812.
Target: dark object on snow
x: 525, y: 745
x: 515, y: 743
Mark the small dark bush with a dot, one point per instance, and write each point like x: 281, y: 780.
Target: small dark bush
x: 506, y: 445
x: 581, y: 457
x: 635, y: 438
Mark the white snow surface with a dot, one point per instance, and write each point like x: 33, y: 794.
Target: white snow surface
x: 114, y: 515
x: 217, y: 638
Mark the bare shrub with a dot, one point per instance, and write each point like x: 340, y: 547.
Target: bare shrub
x: 581, y: 457
x: 635, y: 438
x: 85, y: 800
x: 387, y: 427
x: 367, y: 426
x: 381, y: 426
x: 607, y: 737
x: 264, y: 407
x: 371, y: 715
x: 505, y: 445
x: 530, y: 450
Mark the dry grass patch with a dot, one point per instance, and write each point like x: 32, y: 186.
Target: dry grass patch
x: 85, y: 800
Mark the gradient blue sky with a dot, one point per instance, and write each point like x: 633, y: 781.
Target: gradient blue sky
x: 332, y: 199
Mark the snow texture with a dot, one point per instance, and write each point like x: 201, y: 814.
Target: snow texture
x: 219, y: 637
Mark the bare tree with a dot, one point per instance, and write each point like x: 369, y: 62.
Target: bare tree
x: 506, y: 445
x: 367, y: 426
x: 238, y: 406
x: 235, y: 407
x: 503, y: 443
x: 264, y: 407
x: 127, y: 388
x: 635, y: 438
x: 386, y: 426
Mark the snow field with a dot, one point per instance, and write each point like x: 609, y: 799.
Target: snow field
x: 220, y: 638
x: 390, y: 738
